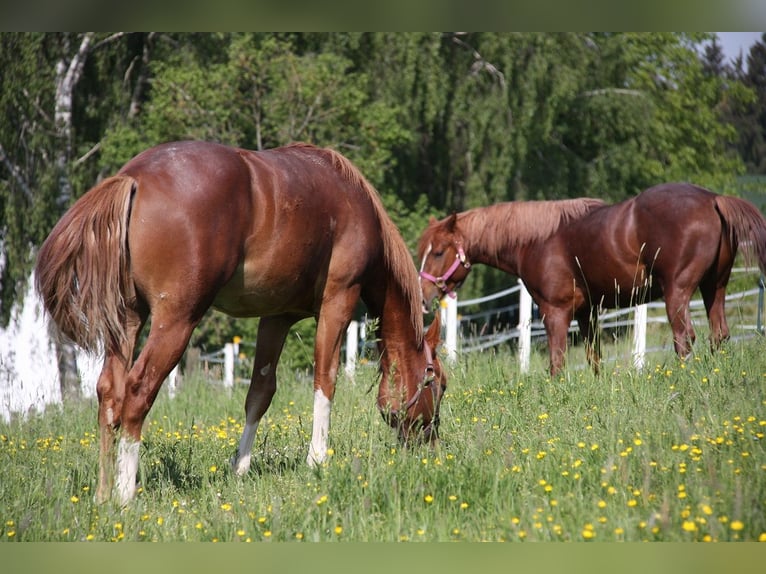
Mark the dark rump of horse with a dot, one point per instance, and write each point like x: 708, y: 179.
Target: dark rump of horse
x: 666, y: 242
x: 281, y: 234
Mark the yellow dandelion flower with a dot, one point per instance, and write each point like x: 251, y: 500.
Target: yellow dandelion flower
x: 762, y: 537
x: 689, y: 526
x: 588, y: 534
x: 75, y: 499
x: 463, y: 505
x: 267, y: 534
x: 226, y: 506
x: 428, y: 498
x: 338, y: 530
x: 299, y: 535
x: 736, y: 525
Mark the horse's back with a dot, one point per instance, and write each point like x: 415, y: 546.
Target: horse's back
x: 252, y: 232
x: 670, y: 230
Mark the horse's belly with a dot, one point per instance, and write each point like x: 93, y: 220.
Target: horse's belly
x: 269, y: 290
x: 621, y: 287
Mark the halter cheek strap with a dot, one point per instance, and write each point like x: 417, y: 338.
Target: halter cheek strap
x: 428, y: 377
x: 441, y: 282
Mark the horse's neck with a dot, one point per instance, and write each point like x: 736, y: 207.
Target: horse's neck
x: 398, y: 339
x: 482, y: 247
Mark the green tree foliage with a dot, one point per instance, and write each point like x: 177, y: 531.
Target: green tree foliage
x: 438, y: 122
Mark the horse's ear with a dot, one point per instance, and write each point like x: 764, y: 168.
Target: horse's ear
x: 432, y: 220
x: 451, y: 223
x: 434, y: 333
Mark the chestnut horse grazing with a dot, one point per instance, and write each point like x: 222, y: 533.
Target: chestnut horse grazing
x: 577, y: 256
x: 282, y: 234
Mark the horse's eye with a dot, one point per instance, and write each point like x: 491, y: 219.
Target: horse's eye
x: 437, y: 253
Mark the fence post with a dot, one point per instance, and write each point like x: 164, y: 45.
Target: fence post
x: 759, y: 317
x: 352, y: 346
x: 448, y: 307
x: 228, y: 365
x: 171, y: 381
x: 639, y: 335
x: 525, y: 327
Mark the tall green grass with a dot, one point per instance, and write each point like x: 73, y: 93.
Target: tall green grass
x: 673, y: 453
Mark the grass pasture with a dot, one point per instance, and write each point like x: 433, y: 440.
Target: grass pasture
x: 673, y: 453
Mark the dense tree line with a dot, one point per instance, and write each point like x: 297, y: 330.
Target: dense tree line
x: 438, y: 122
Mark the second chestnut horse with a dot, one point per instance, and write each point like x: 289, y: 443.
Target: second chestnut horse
x: 578, y: 256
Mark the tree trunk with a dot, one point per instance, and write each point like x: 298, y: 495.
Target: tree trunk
x: 67, y: 76
x: 69, y: 377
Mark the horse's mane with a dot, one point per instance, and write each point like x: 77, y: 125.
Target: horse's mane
x: 514, y: 223
x: 396, y: 254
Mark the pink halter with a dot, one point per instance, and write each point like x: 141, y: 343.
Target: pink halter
x: 441, y: 282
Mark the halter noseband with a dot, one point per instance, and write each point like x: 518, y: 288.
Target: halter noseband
x: 441, y: 282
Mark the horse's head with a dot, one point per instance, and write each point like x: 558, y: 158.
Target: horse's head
x: 416, y: 415
x: 444, y: 265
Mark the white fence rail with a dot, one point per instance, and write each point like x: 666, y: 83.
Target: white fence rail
x: 527, y: 328
x: 637, y: 317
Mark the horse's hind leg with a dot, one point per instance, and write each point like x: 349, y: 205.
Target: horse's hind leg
x: 677, y: 309
x: 587, y: 320
x: 110, y: 389
x: 272, y: 332
x: 165, y: 344
x: 714, y: 297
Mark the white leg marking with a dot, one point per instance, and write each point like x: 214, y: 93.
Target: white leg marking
x: 127, y: 468
x: 109, y: 416
x: 318, y: 448
x: 241, y: 463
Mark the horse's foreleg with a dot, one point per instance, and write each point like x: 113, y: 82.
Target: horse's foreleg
x: 331, y: 326
x: 164, y: 347
x: 272, y: 332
